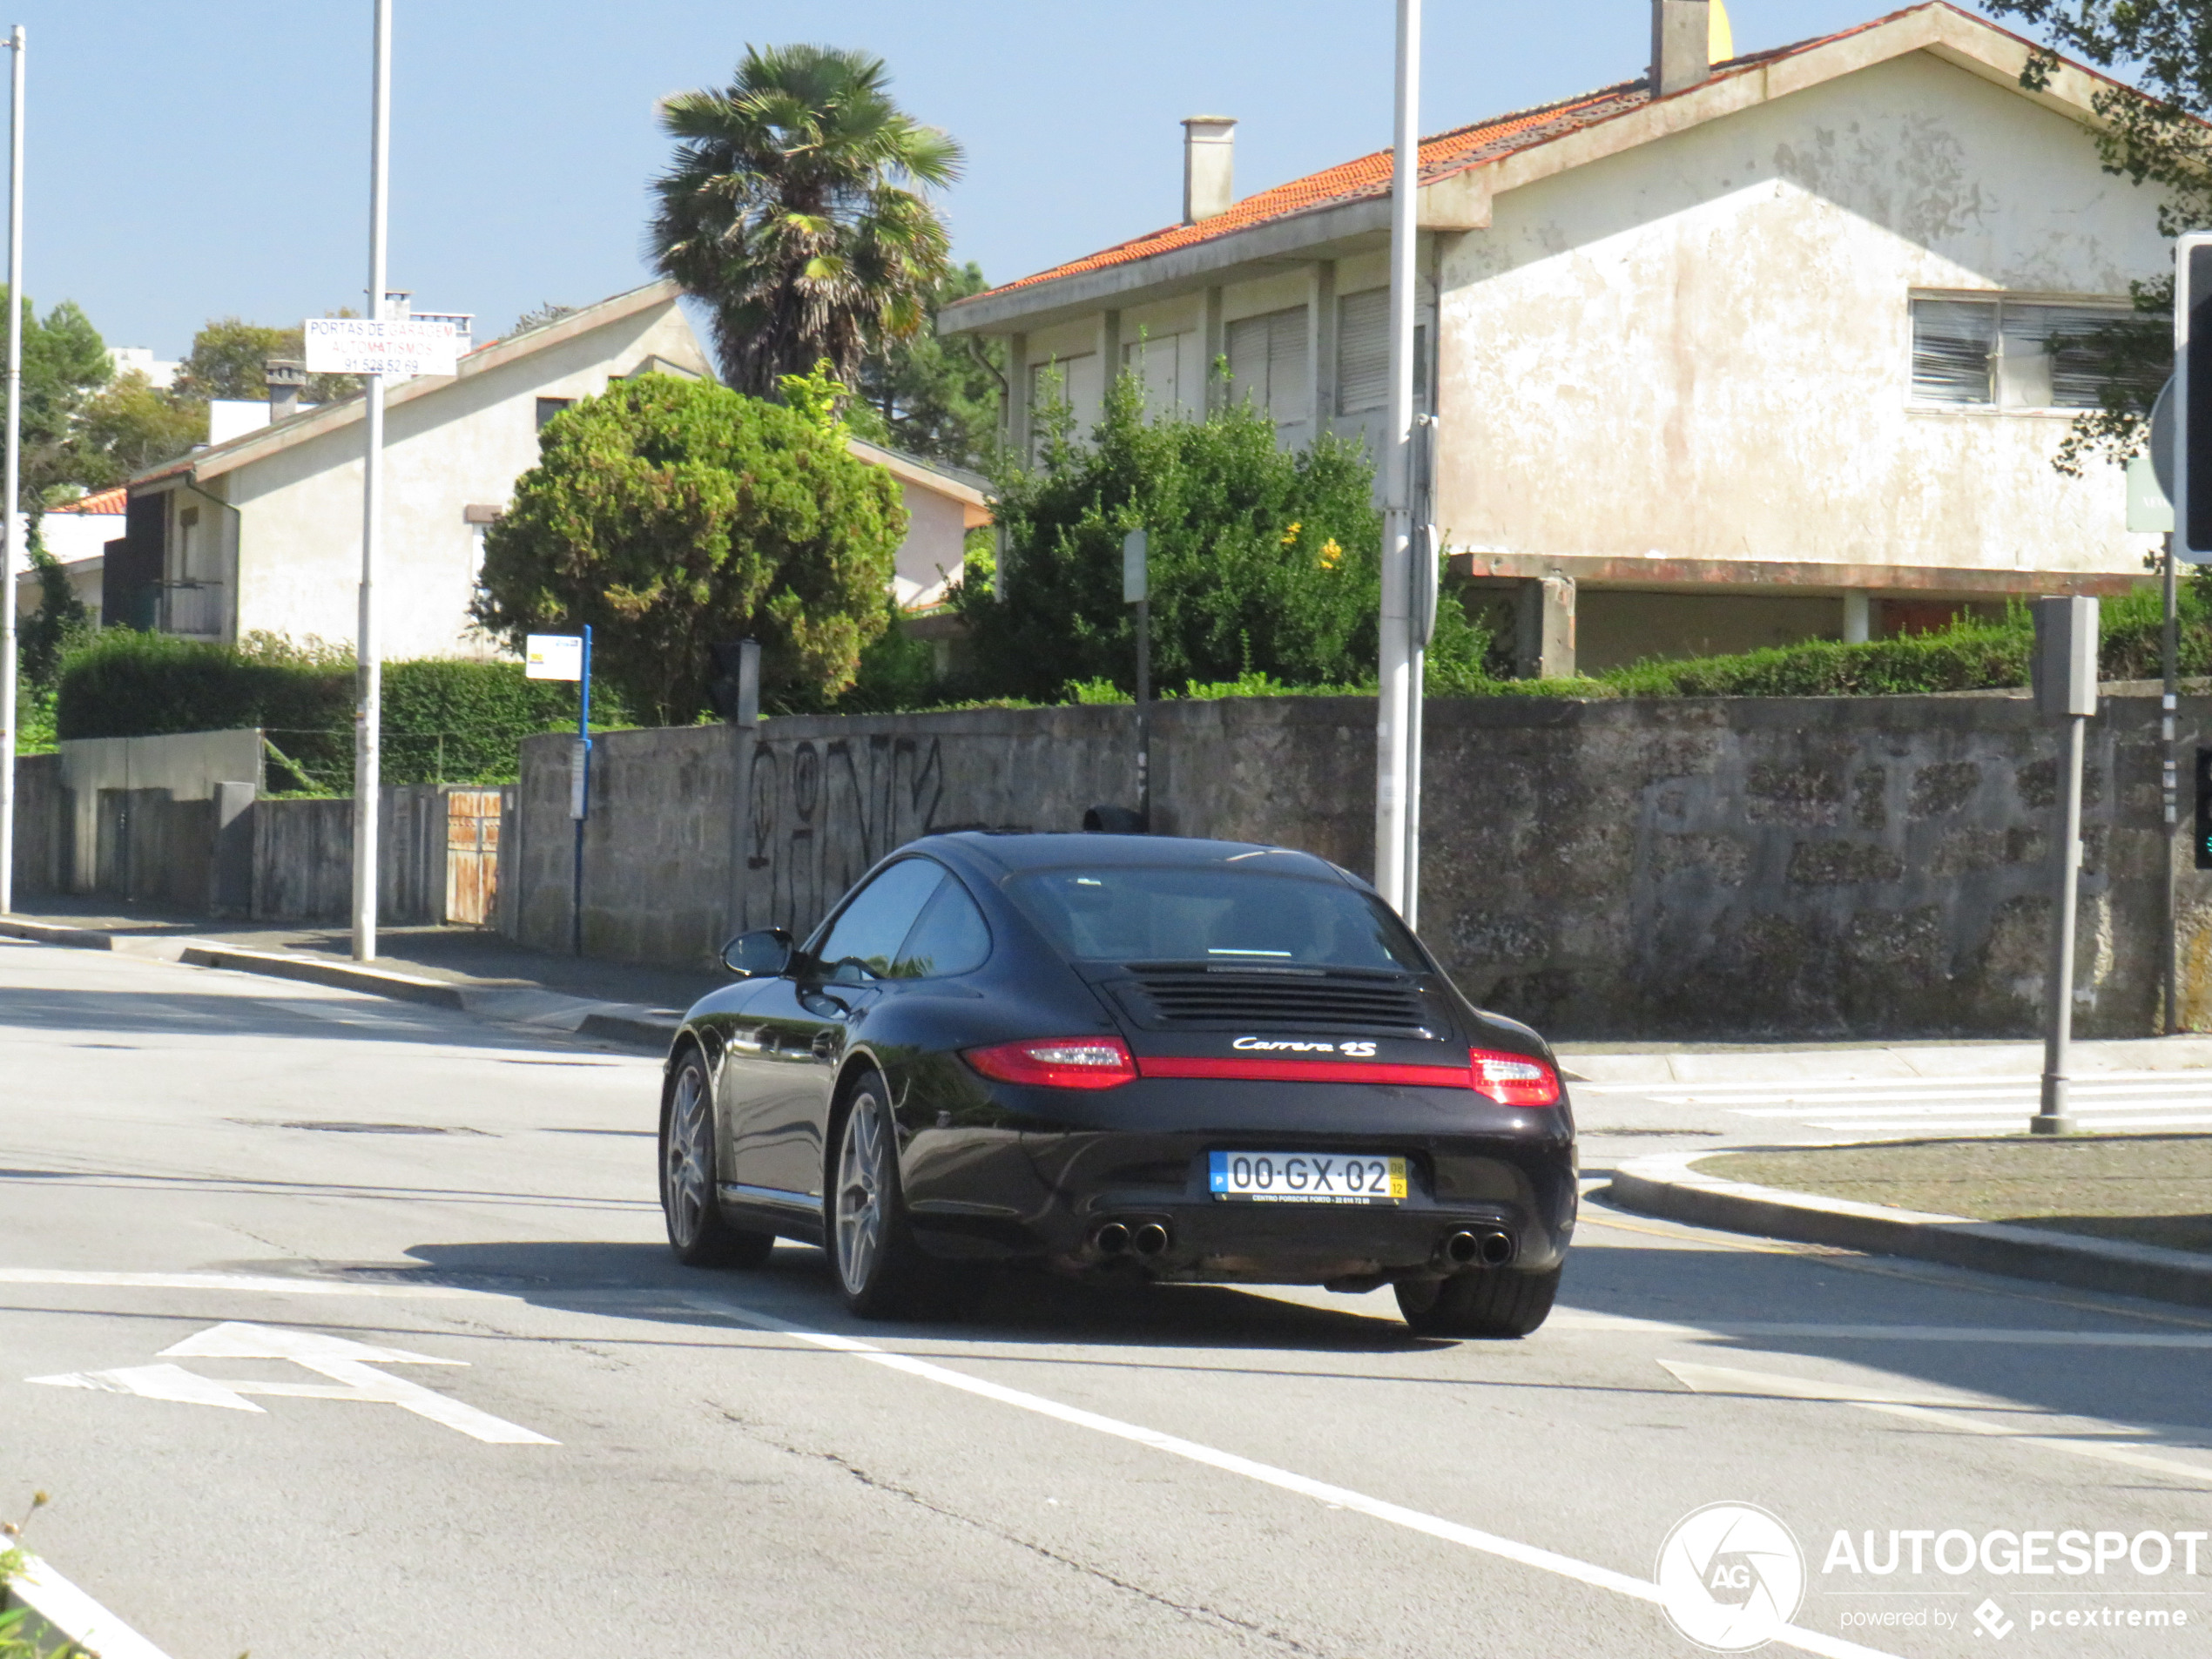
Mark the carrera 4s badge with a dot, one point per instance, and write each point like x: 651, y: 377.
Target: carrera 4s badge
x: 1355, y: 1048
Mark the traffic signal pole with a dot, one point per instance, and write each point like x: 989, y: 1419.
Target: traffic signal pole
x: 369, y: 771
x: 1395, y: 781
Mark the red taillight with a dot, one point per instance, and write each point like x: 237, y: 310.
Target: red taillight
x: 1058, y: 1063
x: 1513, y: 1079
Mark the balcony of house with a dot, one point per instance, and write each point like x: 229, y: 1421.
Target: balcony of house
x: 196, y: 609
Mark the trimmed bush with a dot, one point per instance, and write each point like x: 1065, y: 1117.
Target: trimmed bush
x: 444, y: 719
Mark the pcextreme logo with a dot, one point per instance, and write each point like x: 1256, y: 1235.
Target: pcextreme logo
x: 1731, y: 1576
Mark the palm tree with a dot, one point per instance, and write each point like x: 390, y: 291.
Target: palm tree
x: 788, y: 209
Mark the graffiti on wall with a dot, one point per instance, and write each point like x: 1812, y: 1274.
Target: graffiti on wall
x: 822, y: 813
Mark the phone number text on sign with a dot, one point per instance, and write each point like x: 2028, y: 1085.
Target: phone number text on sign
x: 359, y: 346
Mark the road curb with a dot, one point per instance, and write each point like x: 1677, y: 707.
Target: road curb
x: 1668, y: 1185
x: 346, y: 977
x: 613, y: 1023
x: 642, y: 1029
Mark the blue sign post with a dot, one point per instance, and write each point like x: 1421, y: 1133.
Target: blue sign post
x: 580, y: 794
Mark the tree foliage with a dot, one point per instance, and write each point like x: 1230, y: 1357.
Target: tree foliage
x: 65, y: 361
x: 1263, y: 561
x: 674, y: 515
x: 2154, y: 134
x: 937, y: 397
x: 795, y: 207
x: 132, y: 425
x: 229, y: 357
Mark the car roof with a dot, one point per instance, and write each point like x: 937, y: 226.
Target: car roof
x: 1007, y: 853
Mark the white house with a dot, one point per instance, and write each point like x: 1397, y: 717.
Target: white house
x: 1734, y: 354
x: 261, y: 534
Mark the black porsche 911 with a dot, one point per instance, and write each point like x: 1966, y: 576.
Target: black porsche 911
x: 1119, y: 1055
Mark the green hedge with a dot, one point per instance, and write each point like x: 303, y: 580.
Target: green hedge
x: 444, y: 720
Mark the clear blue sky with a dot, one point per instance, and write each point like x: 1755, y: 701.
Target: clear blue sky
x: 196, y: 160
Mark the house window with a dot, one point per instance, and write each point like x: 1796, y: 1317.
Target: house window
x: 1363, y: 353
x: 1267, y: 364
x: 2007, y: 354
x: 550, y: 406
x: 1157, y: 363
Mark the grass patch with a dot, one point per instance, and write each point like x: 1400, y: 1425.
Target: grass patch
x: 2142, y: 1189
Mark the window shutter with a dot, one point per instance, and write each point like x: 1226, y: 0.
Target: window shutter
x: 1247, y: 343
x: 1363, y: 351
x: 1953, y: 343
x: 1288, y: 398
x: 1156, y: 360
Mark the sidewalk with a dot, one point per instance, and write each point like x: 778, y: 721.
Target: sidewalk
x: 467, y: 968
x: 1841, y: 1062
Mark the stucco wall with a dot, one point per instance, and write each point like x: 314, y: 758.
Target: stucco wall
x: 299, y: 561
x: 1863, y: 866
x: 1701, y: 348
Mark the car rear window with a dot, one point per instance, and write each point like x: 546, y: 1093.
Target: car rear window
x: 1217, y: 915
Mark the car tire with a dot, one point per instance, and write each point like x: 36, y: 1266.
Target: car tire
x: 697, y: 1232
x: 1499, y: 1303
x: 882, y: 1270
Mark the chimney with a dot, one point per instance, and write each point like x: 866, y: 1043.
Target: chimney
x: 1682, y: 33
x: 287, y: 378
x: 1209, y: 166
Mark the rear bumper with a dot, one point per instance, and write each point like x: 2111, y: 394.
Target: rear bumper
x: 1046, y: 1190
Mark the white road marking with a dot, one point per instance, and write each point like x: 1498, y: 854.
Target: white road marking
x: 232, y: 1340
x: 1586, y: 1319
x: 76, y: 1616
x: 1451, y: 1532
x: 255, y: 1283
x: 345, y: 1362
x: 1929, y: 1409
x: 1947, y: 1105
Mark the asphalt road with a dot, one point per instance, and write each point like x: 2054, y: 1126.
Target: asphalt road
x: 562, y: 1444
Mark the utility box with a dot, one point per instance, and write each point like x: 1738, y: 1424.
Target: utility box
x: 2065, y: 664
x: 2192, y: 465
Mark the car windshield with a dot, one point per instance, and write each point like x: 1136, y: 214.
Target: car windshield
x: 1214, y: 914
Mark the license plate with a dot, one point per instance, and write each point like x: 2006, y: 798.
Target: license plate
x: 1306, y: 1177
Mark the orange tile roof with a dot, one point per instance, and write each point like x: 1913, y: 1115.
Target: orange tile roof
x: 100, y: 501
x: 1448, y: 152
x: 1367, y: 177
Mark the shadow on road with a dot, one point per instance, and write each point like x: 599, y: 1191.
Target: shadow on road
x: 796, y: 1286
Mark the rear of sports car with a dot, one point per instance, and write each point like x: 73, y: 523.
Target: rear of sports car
x: 1262, y: 1118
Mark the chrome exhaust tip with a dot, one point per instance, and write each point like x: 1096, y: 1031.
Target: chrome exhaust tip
x: 1496, y: 1247
x: 1110, y: 1239
x: 1148, y: 1239
x: 1459, y: 1249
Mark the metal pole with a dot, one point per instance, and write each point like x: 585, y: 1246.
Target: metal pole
x: 2170, y: 953
x: 1144, y: 714
x: 14, y: 485
x: 1394, y: 703
x: 583, y: 798
x: 2052, y: 1117
x: 368, y: 715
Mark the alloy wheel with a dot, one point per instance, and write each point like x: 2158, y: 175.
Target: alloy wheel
x: 861, y: 1182
x: 690, y: 1158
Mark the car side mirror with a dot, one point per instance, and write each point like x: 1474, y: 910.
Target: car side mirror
x: 762, y: 954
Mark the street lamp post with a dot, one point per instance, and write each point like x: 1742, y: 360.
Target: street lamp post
x: 1396, y: 778
x: 14, y: 470
x: 367, y: 714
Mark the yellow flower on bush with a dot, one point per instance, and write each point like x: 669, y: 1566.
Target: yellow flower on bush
x: 1290, y: 536
x: 1332, y: 555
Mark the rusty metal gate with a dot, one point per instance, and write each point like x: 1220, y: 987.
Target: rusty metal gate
x: 472, y: 855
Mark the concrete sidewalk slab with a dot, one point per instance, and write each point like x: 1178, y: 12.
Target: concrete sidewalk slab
x: 1864, y: 1062
x: 1670, y: 1185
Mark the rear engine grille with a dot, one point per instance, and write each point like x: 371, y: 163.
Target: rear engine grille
x: 1197, y: 997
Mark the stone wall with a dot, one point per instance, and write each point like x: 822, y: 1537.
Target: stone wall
x: 1671, y: 868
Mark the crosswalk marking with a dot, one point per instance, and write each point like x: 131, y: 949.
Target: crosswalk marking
x: 1952, y: 1106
